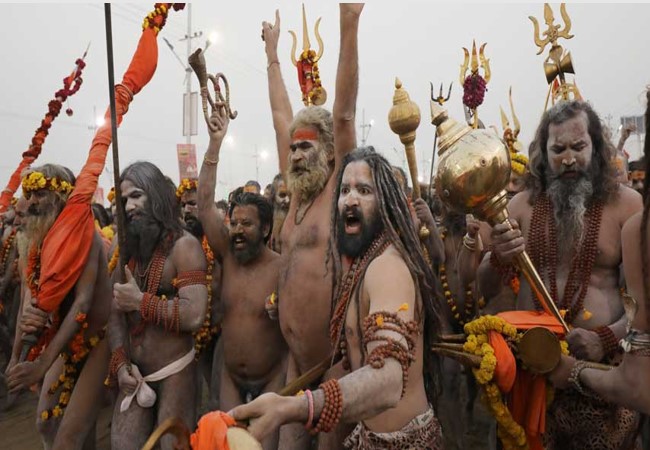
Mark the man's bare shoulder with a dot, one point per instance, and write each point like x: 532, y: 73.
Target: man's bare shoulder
x: 632, y: 228
x: 187, y: 248
x: 388, y: 268
x: 520, y: 205
x: 626, y: 203
x: 187, y: 240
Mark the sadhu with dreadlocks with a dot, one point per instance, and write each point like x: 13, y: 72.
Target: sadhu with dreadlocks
x: 629, y: 383
x: 384, y: 318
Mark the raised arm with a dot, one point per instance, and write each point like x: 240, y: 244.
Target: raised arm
x: 213, y: 225
x: 347, y: 82
x: 280, y: 105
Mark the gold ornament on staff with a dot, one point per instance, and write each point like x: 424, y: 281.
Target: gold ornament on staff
x: 473, y: 172
x: 558, y: 62
x: 441, y: 100
x: 197, y: 63
x: 474, y: 85
x: 306, y: 62
x: 404, y: 119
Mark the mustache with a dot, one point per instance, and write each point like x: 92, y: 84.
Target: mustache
x: 352, y: 212
x: 32, y: 210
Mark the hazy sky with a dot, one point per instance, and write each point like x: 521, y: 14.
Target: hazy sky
x: 417, y: 41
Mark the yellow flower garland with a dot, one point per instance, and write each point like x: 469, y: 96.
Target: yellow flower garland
x: 186, y: 185
x: 36, y: 181
x: 512, y: 434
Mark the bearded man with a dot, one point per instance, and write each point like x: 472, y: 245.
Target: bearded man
x: 311, y: 147
x: 383, y: 324
x: 254, y: 351
x: 570, y: 220
x: 70, y: 357
x: 628, y: 383
x: 280, y: 199
x: 156, y: 312
x: 204, y: 339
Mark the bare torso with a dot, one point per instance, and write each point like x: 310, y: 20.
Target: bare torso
x: 305, y: 284
x: 253, y: 345
x: 602, y: 304
x: 156, y: 347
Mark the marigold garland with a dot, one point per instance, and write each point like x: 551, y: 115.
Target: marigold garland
x: 157, y: 18
x: 37, y: 180
x: 308, y: 61
x: 111, y: 195
x: 71, y: 85
x: 186, y: 185
x: 512, y: 434
x: 204, y: 335
x: 74, y: 358
x: 115, y: 258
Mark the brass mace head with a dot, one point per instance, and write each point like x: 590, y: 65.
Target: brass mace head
x: 474, y: 168
x: 404, y: 116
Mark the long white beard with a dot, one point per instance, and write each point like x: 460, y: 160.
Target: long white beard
x: 569, y: 199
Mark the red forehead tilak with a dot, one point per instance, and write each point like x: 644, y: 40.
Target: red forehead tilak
x: 305, y: 134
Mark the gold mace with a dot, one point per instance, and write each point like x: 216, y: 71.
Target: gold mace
x: 473, y: 173
x: 404, y: 119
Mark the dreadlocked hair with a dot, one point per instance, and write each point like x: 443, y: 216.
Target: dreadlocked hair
x: 392, y: 208
x: 646, y: 210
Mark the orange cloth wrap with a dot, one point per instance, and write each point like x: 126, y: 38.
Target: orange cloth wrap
x: 211, y: 432
x: 14, y: 183
x: 527, y: 398
x: 67, y: 245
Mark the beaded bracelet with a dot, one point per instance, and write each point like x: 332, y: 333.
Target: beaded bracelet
x: 332, y: 407
x: 607, y: 339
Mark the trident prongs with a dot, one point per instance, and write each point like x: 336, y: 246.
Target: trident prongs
x: 441, y: 99
x: 306, y: 44
x: 553, y: 32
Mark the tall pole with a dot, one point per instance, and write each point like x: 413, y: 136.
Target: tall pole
x: 188, y: 77
x: 121, y: 223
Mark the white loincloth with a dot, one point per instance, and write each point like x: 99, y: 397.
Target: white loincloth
x: 145, y: 396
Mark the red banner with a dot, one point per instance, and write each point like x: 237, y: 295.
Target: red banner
x: 187, y: 167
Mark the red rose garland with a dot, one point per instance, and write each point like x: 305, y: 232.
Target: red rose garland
x: 474, y: 89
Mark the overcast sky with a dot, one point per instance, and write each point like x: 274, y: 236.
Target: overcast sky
x: 417, y: 41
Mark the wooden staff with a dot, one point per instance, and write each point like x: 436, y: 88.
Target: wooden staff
x: 119, y: 206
